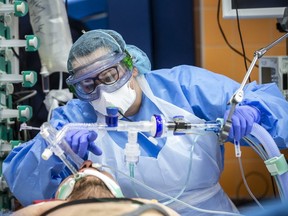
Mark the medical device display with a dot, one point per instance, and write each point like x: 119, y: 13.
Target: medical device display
x: 275, y: 69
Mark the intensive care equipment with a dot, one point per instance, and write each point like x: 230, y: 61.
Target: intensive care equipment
x: 239, y: 94
x: 49, y: 22
x: 265, y: 145
x: 260, y: 141
x: 11, y: 111
x: 271, y: 70
x: 274, y: 69
x: 157, y: 127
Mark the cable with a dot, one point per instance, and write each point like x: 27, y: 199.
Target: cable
x: 241, y: 39
x: 15, y: 53
x: 125, y: 117
x: 240, y: 35
x: 224, y: 36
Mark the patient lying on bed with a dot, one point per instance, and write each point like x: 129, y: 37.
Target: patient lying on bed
x: 93, y: 191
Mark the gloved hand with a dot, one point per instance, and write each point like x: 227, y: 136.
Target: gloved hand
x: 82, y: 141
x: 243, y: 119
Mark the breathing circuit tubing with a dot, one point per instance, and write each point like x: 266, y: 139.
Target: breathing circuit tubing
x: 55, y: 140
x: 274, y: 155
x: 158, y: 127
x: 167, y: 196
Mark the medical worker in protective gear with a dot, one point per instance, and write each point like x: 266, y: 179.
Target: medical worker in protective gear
x: 104, y: 72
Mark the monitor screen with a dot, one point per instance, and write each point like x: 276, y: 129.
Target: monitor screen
x: 285, y: 82
x: 254, y: 8
x: 266, y: 74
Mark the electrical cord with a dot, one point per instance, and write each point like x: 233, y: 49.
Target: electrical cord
x: 224, y: 36
x: 241, y: 39
x: 15, y: 53
x: 125, y: 117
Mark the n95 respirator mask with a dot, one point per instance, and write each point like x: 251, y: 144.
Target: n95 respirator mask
x: 122, y: 98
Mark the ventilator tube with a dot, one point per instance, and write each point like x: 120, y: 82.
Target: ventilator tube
x: 273, y: 151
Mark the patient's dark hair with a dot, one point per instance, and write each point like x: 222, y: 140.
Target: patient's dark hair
x: 90, y: 187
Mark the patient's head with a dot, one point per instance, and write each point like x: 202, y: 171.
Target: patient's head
x: 90, y: 187
x: 89, y: 183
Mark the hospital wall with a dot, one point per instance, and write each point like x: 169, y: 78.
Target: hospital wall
x: 214, y: 54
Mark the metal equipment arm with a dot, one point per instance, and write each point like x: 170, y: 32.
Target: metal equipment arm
x: 239, y: 94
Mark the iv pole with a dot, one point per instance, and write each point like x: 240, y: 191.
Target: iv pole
x: 239, y: 94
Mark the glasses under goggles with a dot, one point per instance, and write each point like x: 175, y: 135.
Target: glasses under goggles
x: 67, y: 186
x: 108, y: 76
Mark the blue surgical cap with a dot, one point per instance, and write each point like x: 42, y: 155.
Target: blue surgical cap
x: 80, y: 53
x: 110, y: 42
x: 139, y: 58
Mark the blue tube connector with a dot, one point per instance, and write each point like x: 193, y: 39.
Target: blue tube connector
x: 112, y: 116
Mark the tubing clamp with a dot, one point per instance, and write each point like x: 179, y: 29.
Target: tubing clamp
x: 277, y: 165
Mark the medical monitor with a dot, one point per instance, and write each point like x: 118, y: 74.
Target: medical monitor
x: 249, y: 9
x: 274, y: 69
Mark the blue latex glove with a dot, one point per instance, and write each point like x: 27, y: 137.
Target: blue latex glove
x: 243, y: 119
x: 82, y: 141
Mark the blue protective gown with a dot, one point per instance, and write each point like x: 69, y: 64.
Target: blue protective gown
x: 187, y: 165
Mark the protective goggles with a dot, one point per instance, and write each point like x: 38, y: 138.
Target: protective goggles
x: 67, y: 186
x: 108, y: 73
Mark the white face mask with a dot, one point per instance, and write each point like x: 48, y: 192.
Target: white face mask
x: 123, y: 98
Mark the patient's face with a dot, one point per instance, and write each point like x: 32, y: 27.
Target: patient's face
x: 89, y: 187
